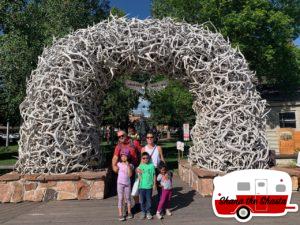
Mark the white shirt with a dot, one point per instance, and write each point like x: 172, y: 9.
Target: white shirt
x: 154, y: 154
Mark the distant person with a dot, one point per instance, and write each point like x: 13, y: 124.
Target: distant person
x: 135, y: 138
x: 146, y: 174
x: 124, y: 170
x: 165, y: 179
x: 133, y: 134
x: 107, y: 134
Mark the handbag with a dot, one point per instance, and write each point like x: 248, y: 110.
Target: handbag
x: 135, y: 188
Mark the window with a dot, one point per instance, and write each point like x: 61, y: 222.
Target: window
x: 261, y: 184
x: 243, y: 186
x: 280, y: 188
x: 287, y: 119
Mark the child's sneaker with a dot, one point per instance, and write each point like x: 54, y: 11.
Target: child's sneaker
x: 121, y: 218
x: 158, y: 215
x: 149, y: 216
x: 142, y: 216
x: 168, y: 212
x: 130, y: 216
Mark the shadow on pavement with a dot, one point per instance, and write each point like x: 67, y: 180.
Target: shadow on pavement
x: 181, y: 200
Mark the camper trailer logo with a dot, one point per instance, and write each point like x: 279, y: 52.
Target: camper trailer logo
x: 246, y: 193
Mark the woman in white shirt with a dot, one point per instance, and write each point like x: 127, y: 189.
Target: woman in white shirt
x: 156, y: 156
x: 155, y: 151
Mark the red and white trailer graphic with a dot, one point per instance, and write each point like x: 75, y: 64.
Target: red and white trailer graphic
x: 246, y: 193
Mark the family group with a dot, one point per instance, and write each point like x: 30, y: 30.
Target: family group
x: 140, y: 171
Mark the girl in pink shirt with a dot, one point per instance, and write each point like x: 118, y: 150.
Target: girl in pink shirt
x: 124, y: 170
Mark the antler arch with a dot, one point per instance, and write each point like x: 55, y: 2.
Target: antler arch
x: 60, y: 112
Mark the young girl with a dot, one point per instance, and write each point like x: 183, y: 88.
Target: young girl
x: 165, y: 179
x: 124, y: 170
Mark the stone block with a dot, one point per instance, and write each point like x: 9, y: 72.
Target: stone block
x: 201, y: 172
x: 195, y: 184
x: 29, y: 196
x: 58, y: 177
x: 185, y: 176
x: 30, y: 186
x: 47, y: 184
x: 66, y: 196
x: 88, y: 175
x: 83, y: 190
x: 39, y: 195
x: 13, y: 176
x: 97, y: 190
x: 31, y: 177
x: 295, y: 184
x: 184, y: 163
x: 5, y: 192
x: 34, y: 195
x: 50, y: 194
x: 207, y: 186
x: 65, y: 186
x: 18, y: 191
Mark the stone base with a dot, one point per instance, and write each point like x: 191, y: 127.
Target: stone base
x: 201, y: 179
x: 15, y: 187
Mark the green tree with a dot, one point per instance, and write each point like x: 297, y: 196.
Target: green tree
x: 262, y: 29
x: 172, y: 106
x: 118, y: 103
x: 27, y: 27
x: 15, y: 58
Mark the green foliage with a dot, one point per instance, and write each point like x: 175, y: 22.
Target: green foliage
x: 117, y: 12
x: 262, y: 29
x: 15, y: 58
x: 9, y: 149
x: 172, y: 106
x: 28, y: 26
x: 8, y: 162
x: 118, y: 104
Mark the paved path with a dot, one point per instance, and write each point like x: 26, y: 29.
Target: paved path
x: 188, y: 209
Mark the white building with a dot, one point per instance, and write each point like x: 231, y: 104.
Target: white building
x: 283, y: 123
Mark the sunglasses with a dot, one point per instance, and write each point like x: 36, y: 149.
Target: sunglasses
x: 121, y: 136
x: 150, y: 137
x: 145, y: 158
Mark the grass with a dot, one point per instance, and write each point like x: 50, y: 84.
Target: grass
x: 171, y: 153
x: 8, y: 162
x: 11, y: 148
x: 8, y: 154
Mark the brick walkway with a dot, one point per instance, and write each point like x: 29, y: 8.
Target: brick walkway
x: 188, y: 208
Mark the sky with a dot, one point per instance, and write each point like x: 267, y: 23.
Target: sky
x: 140, y: 9
x: 297, y: 41
x: 134, y: 8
